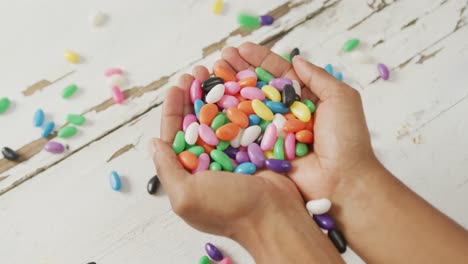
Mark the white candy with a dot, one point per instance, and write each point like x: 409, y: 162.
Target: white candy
x: 318, y: 206
x: 116, y: 80
x: 97, y: 18
x: 235, y: 143
x: 250, y: 135
x: 361, y: 57
x: 279, y: 121
x: 191, y: 133
x: 297, y: 87
x: 215, y: 94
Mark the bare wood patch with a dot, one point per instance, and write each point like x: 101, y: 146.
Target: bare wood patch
x: 424, y: 58
x: 409, y: 24
x: 4, y: 177
x: 121, y: 151
x: 42, y: 84
x: 381, y: 41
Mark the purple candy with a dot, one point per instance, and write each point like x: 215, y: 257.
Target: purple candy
x: 54, y: 147
x: 213, y: 252
x: 256, y: 155
x: 231, y: 152
x: 242, y: 157
x: 383, y: 70
x: 324, y: 221
x: 279, y: 83
x: 266, y: 20
x: 278, y: 165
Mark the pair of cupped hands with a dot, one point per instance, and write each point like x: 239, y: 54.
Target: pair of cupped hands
x: 245, y: 208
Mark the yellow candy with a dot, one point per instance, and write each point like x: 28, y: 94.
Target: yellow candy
x: 217, y: 7
x: 269, y: 154
x: 71, y: 56
x: 271, y: 93
x: 262, y: 110
x: 301, y: 111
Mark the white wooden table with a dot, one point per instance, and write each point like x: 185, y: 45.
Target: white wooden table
x: 60, y: 208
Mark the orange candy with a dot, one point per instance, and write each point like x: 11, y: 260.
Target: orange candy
x: 249, y: 81
x: 294, y: 125
x: 204, y: 145
x: 240, y: 98
x: 305, y: 136
x: 289, y: 116
x: 310, y: 124
x: 227, y: 132
x: 188, y: 160
x: 237, y: 117
x: 207, y: 113
x: 223, y: 73
x: 246, y: 107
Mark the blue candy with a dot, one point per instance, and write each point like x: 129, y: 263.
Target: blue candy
x: 115, y: 182
x: 338, y: 75
x: 329, y: 69
x: 48, y: 129
x: 38, y: 118
x: 260, y: 84
x: 277, y: 107
x: 246, y: 168
x: 254, y: 120
x: 197, y: 105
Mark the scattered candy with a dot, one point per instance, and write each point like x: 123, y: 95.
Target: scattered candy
x: 338, y: 76
x: 213, y: 252
x: 54, y: 147
x: 383, y: 70
x: 115, y: 182
x: 69, y: 91
x: 329, y: 69
x: 324, y: 221
x: 38, y: 119
x: 4, y: 104
x: 263, y: 75
x: 338, y: 240
x: 209, y: 83
x: 204, y: 260
x: 318, y: 206
x: 9, y: 154
x: 113, y: 71
x: 248, y: 22
x: 225, y: 260
x: 67, y: 132
x: 294, y: 52
x: 71, y: 56
x: 281, y: 166
x: 217, y: 7
x: 97, y: 18
x: 76, y: 119
x: 48, y: 129
x: 118, y: 95
x: 266, y: 20
x: 350, y: 44
x: 116, y: 80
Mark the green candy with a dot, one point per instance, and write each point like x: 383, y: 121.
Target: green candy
x: 4, y: 104
x: 187, y: 146
x: 350, y: 44
x: 218, y: 121
x: 67, y: 132
x: 178, y: 145
x: 286, y: 57
x: 301, y: 149
x: 278, y: 149
x: 263, y: 124
x: 204, y: 260
x: 215, y: 166
x: 69, y: 91
x: 76, y: 119
x: 197, y: 150
x: 222, y: 159
x: 248, y: 22
x: 222, y: 145
x: 263, y: 75
x: 310, y: 105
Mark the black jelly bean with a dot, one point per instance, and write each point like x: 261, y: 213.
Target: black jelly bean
x: 294, y: 52
x: 338, y: 240
x: 153, y: 185
x: 209, y: 83
x: 289, y: 95
x: 9, y: 154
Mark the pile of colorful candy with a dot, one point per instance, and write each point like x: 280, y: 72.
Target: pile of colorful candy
x: 213, y: 252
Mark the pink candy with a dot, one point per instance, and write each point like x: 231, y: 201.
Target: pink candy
x: 290, y: 146
x: 118, y: 95
x: 228, y: 101
x: 252, y: 93
x: 113, y: 71
x: 231, y: 88
x: 225, y: 260
x: 269, y: 137
x: 195, y: 91
x: 245, y: 74
x: 208, y: 135
x: 203, y: 163
x: 188, y: 119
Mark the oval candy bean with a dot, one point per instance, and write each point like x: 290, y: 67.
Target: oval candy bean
x: 248, y: 22
x: 297, y: 87
x: 209, y: 83
x: 204, y: 259
x: 250, y: 135
x: 246, y: 168
x: 310, y: 105
x: 254, y: 120
x: 191, y: 133
x: 67, y: 132
x: 256, y: 155
x: 350, y: 44
x: 278, y: 149
x: 242, y: 156
x: 301, y: 149
x: 9, y: 154
x: 218, y: 121
x: 188, y: 119
x: 293, y: 126
x: 215, y: 93
x: 206, y: 147
x: 225, y: 260
x: 71, y: 56
x: 246, y: 74
x: 262, y: 110
x: 231, y: 152
x: 277, y: 107
x: 263, y: 124
x: 208, y: 135
x: 153, y: 185
x: 269, y: 154
x: 260, y: 84
x: 237, y: 117
x: 114, y: 179
x: 279, y: 121
x: 48, y: 129
x: 113, y: 71
x: 318, y: 206
x: 263, y: 75
x: 248, y: 82
x: 228, y: 131
x: 223, y: 159
x: 277, y: 165
x: 305, y: 136
x: 38, y: 119
x: 217, y: 7
x: 178, y: 145
x: 196, y: 92
x: 289, y: 95
x: 294, y: 52
x: 236, y: 141
x: 223, y: 73
x: 252, y: 93
x: 207, y: 113
x: 329, y: 68
x: 197, y: 105
x: 246, y: 107
x: 215, y: 166
x: 231, y: 88
x: 301, y: 111
x: 54, y: 147
x: 338, y: 76
x: 117, y: 95
x: 4, y: 104
x: 271, y: 93
x: 290, y: 146
x: 197, y: 150
x: 279, y: 83
x: 188, y: 160
x: 324, y: 221
x: 266, y: 20
x: 76, y: 119
x: 287, y: 58
x: 269, y: 137
x: 203, y: 163
x: 383, y: 70
x: 213, y: 252
x: 338, y: 240
x: 222, y: 145
x: 69, y: 91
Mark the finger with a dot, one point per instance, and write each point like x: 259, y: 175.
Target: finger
x: 201, y: 73
x: 170, y: 172
x: 317, y: 79
x: 184, y: 84
x: 231, y: 55
x: 260, y: 56
x: 172, y: 114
